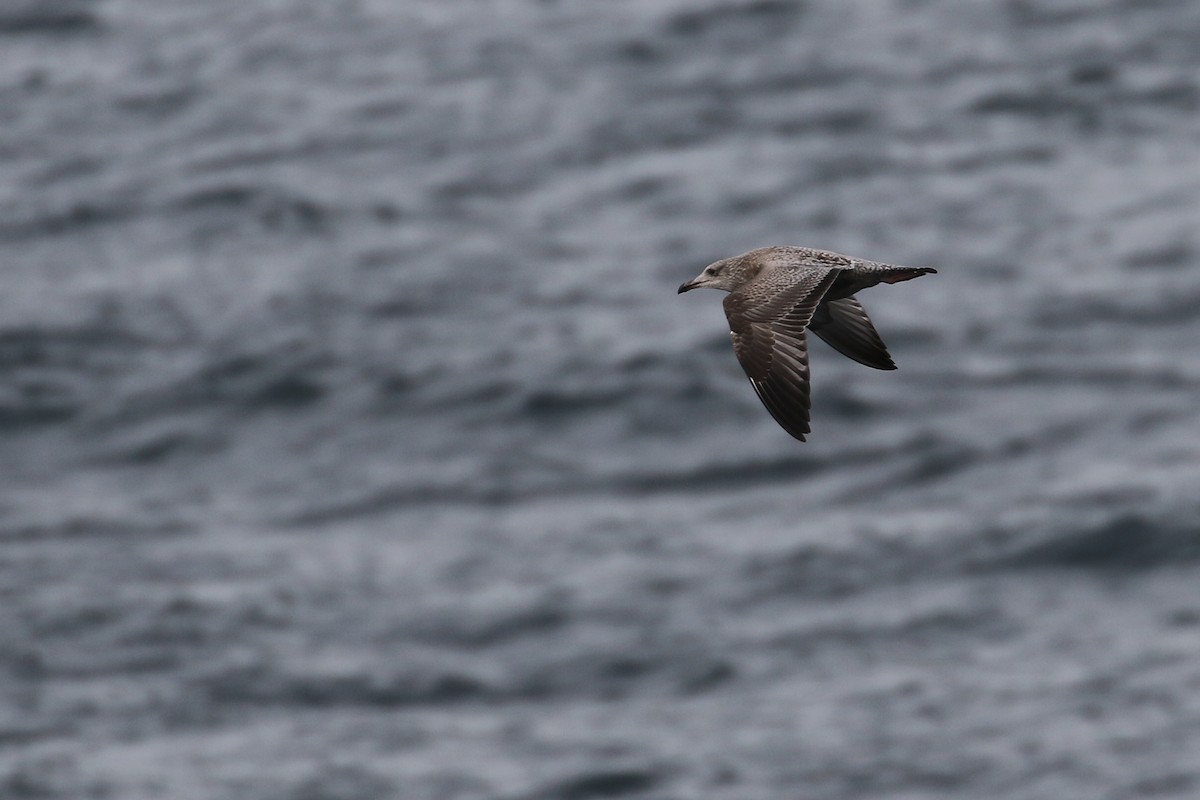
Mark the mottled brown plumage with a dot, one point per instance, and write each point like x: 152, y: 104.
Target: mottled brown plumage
x: 776, y: 294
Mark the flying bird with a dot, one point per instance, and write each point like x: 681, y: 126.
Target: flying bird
x: 776, y: 294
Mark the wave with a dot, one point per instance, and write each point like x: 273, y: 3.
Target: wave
x: 44, y: 369
x: 48, y: 17
x: 70, y: 216
x: 273, y: 207
x: 267, y: 684
x: 1128, y: 540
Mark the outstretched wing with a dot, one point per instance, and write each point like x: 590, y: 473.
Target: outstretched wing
x: 845, y: 326
x: 767, y: 321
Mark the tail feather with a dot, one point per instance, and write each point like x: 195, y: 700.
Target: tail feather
x: 899, y: 274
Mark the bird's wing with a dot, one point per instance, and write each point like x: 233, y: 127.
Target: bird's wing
x: 844, y: 326
x: 767, y: 324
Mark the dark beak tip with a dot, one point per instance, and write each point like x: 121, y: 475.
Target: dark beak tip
x: 683, y: 287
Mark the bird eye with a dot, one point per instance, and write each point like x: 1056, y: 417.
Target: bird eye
x: 710, y: 271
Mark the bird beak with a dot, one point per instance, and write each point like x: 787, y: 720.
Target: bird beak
x: 687, y: 286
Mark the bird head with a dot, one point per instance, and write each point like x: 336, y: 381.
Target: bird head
x: 717, y: 275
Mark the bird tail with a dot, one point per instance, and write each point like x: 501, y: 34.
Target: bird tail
x: 899, y: 274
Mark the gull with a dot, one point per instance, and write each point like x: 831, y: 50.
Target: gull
x: 776, y: 294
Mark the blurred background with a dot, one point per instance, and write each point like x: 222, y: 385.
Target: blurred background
x: 354, y: 442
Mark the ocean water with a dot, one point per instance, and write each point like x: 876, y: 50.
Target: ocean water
x: 354, y: 442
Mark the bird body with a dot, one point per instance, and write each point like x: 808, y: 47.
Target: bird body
x: 776, y: 295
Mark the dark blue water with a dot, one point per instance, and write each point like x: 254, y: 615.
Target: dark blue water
x: 354, y: 442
